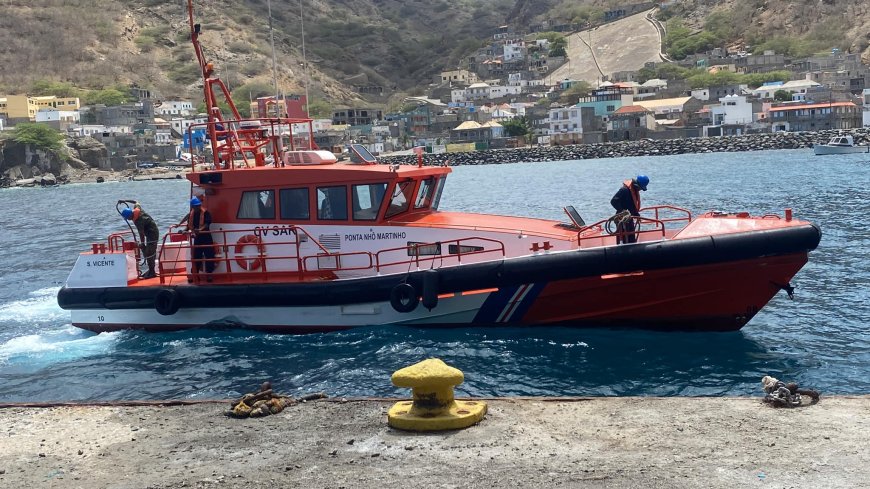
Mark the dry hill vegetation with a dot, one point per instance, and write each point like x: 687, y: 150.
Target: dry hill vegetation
x: 396, y: 44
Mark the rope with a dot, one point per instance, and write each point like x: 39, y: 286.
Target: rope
x: 780, y: 394
x: 616, y: 221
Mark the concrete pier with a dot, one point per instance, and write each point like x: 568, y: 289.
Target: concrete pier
x: 597, y: 442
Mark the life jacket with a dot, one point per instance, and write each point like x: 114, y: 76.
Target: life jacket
x: 202, y: 211
x: 635, y: 193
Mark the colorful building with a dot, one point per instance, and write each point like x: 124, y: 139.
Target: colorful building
x: 23, y: 108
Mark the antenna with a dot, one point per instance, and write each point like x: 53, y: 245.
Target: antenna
x: 304, y: 60
x: 274, y: 60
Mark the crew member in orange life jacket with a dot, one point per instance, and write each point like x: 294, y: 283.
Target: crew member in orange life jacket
x: 627, y: 198
x: 198, y: 222
x: 148, y: 234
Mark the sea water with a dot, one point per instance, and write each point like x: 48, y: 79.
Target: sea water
x: 819, y: 340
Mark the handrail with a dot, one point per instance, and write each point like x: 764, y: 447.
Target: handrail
x: 597, y: 230
x: 656, y: 209
x: 180, y: 267
x: 417, y: 256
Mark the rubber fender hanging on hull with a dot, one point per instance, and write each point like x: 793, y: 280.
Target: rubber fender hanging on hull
x: 430, y: 289
x: 404, y: 298
x: 167, y: 302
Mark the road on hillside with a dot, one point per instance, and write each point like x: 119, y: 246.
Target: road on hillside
x: 623, y: 45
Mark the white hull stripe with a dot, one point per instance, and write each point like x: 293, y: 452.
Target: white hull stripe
x: 511, y: 306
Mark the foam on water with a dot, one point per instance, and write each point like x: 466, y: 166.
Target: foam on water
x: 39, y: 307
x: 54, y: 346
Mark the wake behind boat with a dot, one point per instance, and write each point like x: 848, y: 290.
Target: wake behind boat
x: 304, y: 243
x: 839, y: 145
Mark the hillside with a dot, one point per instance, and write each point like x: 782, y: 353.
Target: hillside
x: 396, y: 44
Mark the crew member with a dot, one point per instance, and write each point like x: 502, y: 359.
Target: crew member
x: 198, y: 222
x: 148, y: 235
x: 627, y: 198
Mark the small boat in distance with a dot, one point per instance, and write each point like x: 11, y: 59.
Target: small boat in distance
x: 305, y: 243
x: 840, y: 145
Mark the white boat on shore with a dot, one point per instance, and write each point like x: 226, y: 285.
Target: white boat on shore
x: 839, y: 145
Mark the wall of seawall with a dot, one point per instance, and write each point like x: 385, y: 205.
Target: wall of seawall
x: 643, y: 147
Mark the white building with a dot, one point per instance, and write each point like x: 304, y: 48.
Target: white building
x: 795, y: 86
x: 91, y: 129
x: 321, y: 125
x: 180, y: 125
x: 733, y: 109
x: 514, y: 50
x: 565, y: 125
x: 59, y: 116
x: 174, y: 107
x: 866, y: 97
x: 501, y: 91
x: 162, y: 136
x: 477, y: 91
x: 458, y: 95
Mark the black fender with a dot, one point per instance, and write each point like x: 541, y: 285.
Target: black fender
x: 167, y: 302
x: 403, y: 297
x: 430, y: 289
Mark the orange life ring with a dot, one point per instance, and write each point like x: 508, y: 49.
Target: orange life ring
x: 249, y: 263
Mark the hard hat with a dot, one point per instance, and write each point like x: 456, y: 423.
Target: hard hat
x: 642, y: 181
x: 195, y: 202
x: 127, y: 213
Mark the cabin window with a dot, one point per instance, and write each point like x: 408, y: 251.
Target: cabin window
x: 463, y: 249
x: 257, y: 204
x: 424, y: 249
x: 438, y: 189
x: 294, y: 204
x: 424, y: 196
x: 367, y: 200
x: 332, y: 203
x: 401, y: 199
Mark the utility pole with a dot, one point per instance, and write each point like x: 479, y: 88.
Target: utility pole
x: 304, y: 60
x: 274, y: 60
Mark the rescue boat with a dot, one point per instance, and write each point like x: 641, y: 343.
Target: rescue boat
x: 305, y: 243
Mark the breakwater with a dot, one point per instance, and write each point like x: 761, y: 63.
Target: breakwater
x: 644, y: 147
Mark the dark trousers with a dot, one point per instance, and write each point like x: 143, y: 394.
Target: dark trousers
x: 150, y: 251
x: 626, y: 231
x: 203, y: 253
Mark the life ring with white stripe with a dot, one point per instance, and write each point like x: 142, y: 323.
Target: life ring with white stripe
x: 246, y: 262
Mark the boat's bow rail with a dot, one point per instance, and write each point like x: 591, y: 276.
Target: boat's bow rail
x: 660, y: 225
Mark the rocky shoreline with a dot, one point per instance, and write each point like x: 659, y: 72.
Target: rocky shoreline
x: 645, y: 147
x: 87, y: 162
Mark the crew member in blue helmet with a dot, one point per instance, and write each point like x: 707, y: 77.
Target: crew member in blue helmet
x: 148, y: 235
x: 198, y: 222
x: 627, y: 198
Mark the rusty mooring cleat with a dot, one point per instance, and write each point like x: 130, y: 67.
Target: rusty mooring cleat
x: 433, y: 407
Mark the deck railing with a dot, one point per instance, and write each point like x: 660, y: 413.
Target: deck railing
x: 263, y: 262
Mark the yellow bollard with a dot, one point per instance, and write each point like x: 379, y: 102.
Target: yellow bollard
x: 433, y: 408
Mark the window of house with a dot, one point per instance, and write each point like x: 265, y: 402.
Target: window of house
x: 611, y: 108
x: 294, y: 204
x: 401, y: 199
x: 332, y: 203
x: 257, y: 204
x: 367, y: 200
x: 424, y: 196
